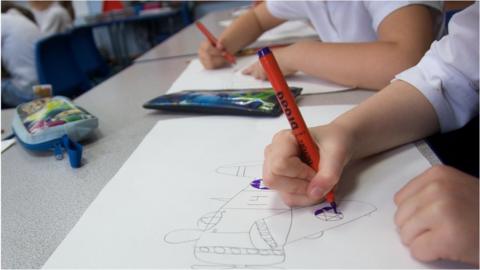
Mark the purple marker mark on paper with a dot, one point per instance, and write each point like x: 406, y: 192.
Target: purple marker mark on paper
x: 327, y: 213
x: 258, y: 184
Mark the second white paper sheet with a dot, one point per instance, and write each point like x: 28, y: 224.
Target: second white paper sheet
x: 196, y: 77
x: 191, y: 196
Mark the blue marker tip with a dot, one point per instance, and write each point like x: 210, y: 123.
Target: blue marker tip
x: 334, y: 207
x: 263, y: 52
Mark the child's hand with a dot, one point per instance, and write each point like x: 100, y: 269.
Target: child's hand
x: 297, y: 183
x: 212, y: 57
x: 283, y: 57
x: 437, y: 215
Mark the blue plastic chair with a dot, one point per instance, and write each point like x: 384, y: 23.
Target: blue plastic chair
x: 56, y: 66
x: 86, y: 54
x: 186, y: 13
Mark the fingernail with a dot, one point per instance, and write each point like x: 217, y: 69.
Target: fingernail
x: 316, y: 192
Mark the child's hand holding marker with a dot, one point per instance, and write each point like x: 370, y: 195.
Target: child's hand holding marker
x: 297, y: 183
x: 304, y: 153
x: 210, y: 55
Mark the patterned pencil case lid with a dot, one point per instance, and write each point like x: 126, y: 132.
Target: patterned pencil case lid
x: 53, y: 123
x: 253, y: 102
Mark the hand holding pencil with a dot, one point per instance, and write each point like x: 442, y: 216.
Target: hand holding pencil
x: 300, y: 158
x: 212, y: 53
x: 297, y: 183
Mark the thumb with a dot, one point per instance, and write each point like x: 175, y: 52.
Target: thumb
x: 328, y: 175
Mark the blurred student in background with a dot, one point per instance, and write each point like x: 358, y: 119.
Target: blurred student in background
x: 19, y: 35
x: 53, y: 16
x: 362, y: 43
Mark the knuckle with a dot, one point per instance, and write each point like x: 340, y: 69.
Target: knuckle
x: 436, y: 209
x: 299, y: 189
x: 435, y: 188
x: 329, y: 178
x: 278, y: 166
x: 279, y: 135
x: 440, y: 209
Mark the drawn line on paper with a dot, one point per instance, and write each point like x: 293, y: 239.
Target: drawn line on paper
x: 249, y: 231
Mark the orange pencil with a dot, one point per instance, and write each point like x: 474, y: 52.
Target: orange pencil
x: 228, y: 56
x: 308, y: 148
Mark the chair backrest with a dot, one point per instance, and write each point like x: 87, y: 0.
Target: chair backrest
x: 56, y: 66
x: 86, y: 54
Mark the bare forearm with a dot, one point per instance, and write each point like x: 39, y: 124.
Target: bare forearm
x: 364, y: 65
x: 396, y: 115
x: 248, y: 27
x: 235, y: 37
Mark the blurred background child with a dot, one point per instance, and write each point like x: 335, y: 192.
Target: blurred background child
x: 19, y: 35
x: 53, y: 16
x: 362, y: 43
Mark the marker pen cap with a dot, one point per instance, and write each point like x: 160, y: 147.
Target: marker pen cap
x: 263, y: 52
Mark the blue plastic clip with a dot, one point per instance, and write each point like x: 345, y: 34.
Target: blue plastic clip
x: 74, y: 151
x: 58, y: 151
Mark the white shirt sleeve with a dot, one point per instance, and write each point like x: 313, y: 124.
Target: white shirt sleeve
x: 287, y: 10
x: 448, y: 73
x: 379, y: 10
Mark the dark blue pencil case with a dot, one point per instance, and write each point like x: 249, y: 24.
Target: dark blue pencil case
x: 53, y: 124
x: 252, y: 102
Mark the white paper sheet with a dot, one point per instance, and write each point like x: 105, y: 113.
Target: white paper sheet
x: 187, y: 197
x: 287, y: 30
x: 196, y: 77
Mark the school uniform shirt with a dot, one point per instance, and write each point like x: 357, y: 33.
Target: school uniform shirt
x: 448, y: 73
x: 54, y: 19
x: 19, y: 36
x: 344, y: 21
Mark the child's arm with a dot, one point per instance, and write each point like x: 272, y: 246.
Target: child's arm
x: 403, y: 37
x: 438, y: 211
x: 243, y: 31
x: 396, y: 115
x: 441, y: 93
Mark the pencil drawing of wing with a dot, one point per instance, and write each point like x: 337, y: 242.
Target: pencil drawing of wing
x: 241, y: 234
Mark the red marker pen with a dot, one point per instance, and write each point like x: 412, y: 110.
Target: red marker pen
x: 308, y: 148
x: 228, y: 56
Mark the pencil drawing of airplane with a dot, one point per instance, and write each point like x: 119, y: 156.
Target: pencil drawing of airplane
x: 252, y: 228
